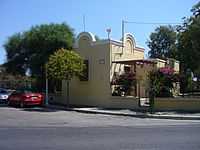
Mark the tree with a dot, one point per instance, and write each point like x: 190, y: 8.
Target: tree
x: 14, y: 81
x: 64, y: 65
x: 31, y: 49
x: 97, y: 38
x: 189, y: 42
x: 15, y: 55
x: 196, y: 10
x: 162, y: 81
x: 162, y: 43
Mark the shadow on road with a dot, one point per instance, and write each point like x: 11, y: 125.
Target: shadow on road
x: 3, y: 105
x: 39, y: 109
x: 36, y: 108
x: 32, y: 108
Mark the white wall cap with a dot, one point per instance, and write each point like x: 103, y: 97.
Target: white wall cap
x: 87, y: 34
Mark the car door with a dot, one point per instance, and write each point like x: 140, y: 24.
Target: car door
x: 15, y: 96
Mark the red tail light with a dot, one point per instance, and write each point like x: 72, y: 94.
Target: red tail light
x: 26, y: 96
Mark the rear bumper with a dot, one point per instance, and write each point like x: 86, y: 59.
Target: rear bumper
x: 29, y: 103
x: 3, y: 101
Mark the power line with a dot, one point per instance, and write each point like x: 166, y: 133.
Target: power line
x: 145, y: 23
x: 153, y: 23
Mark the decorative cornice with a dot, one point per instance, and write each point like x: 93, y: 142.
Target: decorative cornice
x: 139, y: 49
x: 107, y: 41
x: 87, y: 34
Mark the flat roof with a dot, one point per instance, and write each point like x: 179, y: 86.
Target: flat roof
x: 131, y: 62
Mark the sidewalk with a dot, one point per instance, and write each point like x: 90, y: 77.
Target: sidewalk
x: 132, y: 113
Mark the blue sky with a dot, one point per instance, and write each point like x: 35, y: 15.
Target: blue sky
x: 20, y: 15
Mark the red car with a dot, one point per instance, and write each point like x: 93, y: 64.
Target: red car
x: 25, y: 97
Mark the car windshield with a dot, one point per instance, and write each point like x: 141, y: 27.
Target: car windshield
x: 26, y: 90
x: 2, y: 91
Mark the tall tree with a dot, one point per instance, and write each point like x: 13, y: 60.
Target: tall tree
x: 15, y: 55
x: 189, y: 42
x: 31, y: 49
x: 162, y: 43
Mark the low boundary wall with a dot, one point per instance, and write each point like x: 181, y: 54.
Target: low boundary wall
x: 123, y: 102
x: 160, y: 104
x: 177, y: 104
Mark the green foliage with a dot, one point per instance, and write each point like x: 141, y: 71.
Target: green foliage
x: 64, y: 64
x: 189, y: 42
x: 15, y: 55
x: 162, y: 82
x: 162, y: 43
x: 31, y: 49
x: 124, y: 83
x: 97, y: 38
x: 183, y: 45
x: 196, y: 9
x: 16, y: 81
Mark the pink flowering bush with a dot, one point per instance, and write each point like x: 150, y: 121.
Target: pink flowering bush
x: 162, y: 81
x: 125, y: 82
x: 167, y: 70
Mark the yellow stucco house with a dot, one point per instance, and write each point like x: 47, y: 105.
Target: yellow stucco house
x: 104, y: 60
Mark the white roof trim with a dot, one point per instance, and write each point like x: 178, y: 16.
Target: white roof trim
x: 106, y: 41
x: 87, y: 34
x: 157, y: 59
x: 131, y: 37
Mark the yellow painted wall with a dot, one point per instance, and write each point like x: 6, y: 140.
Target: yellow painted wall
x: 142, y: 76
x: 160, y: 63
x: 175, y: 104
x: 176, y: 66
x: 96, y: 90
x: 126, y: 55
x: 172, y: 63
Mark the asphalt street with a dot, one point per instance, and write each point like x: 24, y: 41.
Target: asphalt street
x: 51, y: 129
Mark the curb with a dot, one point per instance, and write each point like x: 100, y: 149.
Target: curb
x: 142, y: 115
x: 176, y: 117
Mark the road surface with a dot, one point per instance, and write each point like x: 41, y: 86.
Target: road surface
x: 48, y: 129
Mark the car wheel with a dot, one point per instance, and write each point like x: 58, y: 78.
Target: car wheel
x: 41, y: 105
x: 9, y: 104
x: 21, y: 104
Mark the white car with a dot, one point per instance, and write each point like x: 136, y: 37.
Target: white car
x: 4, y: 95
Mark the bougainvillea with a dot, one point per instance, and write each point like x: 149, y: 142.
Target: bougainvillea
x: 124, y: 81
x: 167, y: 70
x: 162, y: 80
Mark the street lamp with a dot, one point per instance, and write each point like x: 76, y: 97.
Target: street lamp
x: 108, y: 31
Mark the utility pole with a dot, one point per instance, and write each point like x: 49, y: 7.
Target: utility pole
x: 47, y: 96
x: 123, y: 36
x: 84, y: 23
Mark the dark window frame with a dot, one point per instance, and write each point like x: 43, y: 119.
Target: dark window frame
x: 85, y: 73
